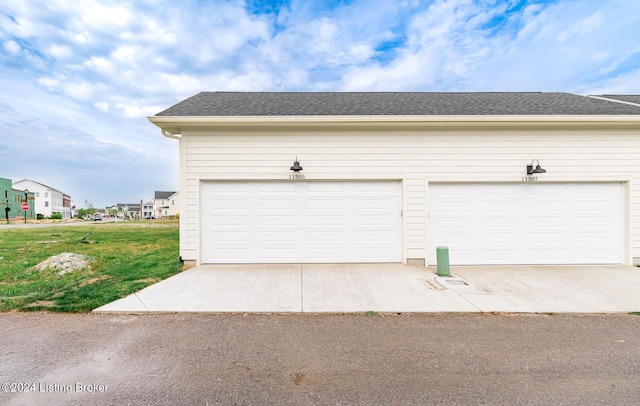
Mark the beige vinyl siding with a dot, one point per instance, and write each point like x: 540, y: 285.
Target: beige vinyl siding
x: 416, y: 157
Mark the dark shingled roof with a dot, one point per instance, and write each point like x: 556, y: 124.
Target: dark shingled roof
x: 629, y: 98
x: 162, y: 194
x: 393, y: 103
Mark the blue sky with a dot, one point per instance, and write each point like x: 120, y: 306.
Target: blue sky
x: 79, y: 78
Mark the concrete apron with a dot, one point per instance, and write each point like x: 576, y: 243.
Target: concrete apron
x: 397, y: 288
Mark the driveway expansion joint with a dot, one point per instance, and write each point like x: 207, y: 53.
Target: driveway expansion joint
x: 141, y: 302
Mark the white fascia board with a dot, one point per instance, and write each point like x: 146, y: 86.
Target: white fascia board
x: 175, y: 124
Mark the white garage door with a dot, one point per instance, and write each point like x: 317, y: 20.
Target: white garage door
x: 300, y: 222
x: 528, y: 223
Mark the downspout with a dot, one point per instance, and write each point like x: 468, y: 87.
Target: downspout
x: 170, y: 135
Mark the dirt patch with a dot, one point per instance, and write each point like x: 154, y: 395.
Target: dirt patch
x: 94, y: 280
x: 188, y: 266
x: 302, y: 378
x: 42, y: 303
x: 297, y: 378
x: 150, y: 280
x: 64, y: 263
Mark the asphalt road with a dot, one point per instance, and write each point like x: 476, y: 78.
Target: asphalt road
x: 201, y: 359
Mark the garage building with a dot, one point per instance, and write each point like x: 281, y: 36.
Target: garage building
x: 339, y: 177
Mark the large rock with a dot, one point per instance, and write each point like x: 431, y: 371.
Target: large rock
x: 65, y: 262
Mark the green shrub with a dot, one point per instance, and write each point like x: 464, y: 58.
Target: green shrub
x: 56, y: 216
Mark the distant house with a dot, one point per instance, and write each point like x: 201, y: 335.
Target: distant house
x: 127, y: 210
x: 130, y: 210
x: 47, y: 199
x: 13, y: 199
x: 147, y: 210
x: 166, y: 204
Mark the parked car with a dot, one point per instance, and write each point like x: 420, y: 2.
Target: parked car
x: 97, y: 217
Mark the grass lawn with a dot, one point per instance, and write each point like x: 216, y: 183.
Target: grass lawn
x: 125, y: 258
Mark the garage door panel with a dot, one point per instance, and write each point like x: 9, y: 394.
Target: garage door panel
x: 275, y: 204
x: 494, y: 220
x: 365, y: 239
x: 326, y: 220
x: 561, y: 223
x: 276, y: 236
x: 231, y: 204
x: 268, y: 188
x: 328, y: 204
x: 595, y: 226
x: 593, y: 253
x: 588, y: 214
x: 231, y: 220
x: 326, y: 188
x: 360, y: 203
x: 274, y: 254
x: 326, y: 235
x: 371, y: 222
x: 233, y: 235
x: 269, y: 219
x: 502, y: 238
x: 452, y: 205
x: 380, y: 217
x: 229, y: 254
x: 597, y: 235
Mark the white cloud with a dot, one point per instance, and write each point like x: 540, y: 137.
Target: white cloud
x: 49, y: 82
x: 126, y: 55
x: 111, y: 17
x: 102, y: 106
x: 135, y: 111
x: 624, y: 83
x: 12, y: 47
x: 60, y: 51
x: 99, y: 63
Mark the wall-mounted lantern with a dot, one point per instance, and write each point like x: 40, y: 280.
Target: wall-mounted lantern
x: 531, y: 170
x: 296, y: 166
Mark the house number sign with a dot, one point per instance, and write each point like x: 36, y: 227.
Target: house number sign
x: 296, y: 176
x: 529, y: 178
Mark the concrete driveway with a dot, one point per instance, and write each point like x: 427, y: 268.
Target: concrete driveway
x: 349, y: 288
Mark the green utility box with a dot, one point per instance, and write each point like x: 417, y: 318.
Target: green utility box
x: 442, y: 255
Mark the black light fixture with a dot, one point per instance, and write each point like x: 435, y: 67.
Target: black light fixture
x: 296, y: 166
x: 531, y: 170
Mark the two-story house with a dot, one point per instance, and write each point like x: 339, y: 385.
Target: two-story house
x: 166, y: 204
x: 47, y: 199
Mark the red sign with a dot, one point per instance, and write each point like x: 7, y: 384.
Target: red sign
x: 25, y: 206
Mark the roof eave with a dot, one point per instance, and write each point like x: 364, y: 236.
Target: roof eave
x: 175, y: 124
